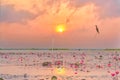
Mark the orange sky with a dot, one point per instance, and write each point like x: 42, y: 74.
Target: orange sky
x: 31, y: 23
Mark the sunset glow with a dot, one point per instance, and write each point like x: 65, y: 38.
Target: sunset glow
x: 35, y: 21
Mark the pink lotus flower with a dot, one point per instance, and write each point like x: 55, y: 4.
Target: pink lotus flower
x: 117, y: 72
x: 109, y: 65
x: 75, y: 72
x: 112, y: 74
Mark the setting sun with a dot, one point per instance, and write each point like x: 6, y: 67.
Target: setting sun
x: 60, y: 28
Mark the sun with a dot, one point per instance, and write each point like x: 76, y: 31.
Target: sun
x: 60, y: 28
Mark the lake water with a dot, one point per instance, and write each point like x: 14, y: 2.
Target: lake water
x: 65, y: 65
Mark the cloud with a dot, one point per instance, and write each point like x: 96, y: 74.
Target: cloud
x: 77, y: 3
x: 10, y: 15
x: 108, y: 9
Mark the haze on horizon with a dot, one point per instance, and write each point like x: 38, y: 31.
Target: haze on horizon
x: 32, y: 23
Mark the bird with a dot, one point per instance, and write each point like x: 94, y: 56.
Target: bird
x: 97, y: 29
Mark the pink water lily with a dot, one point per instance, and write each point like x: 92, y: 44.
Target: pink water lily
x: 112, y: 74
x: 117, y: 72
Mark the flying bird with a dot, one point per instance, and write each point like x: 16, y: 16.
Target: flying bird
x: 97, y: 29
